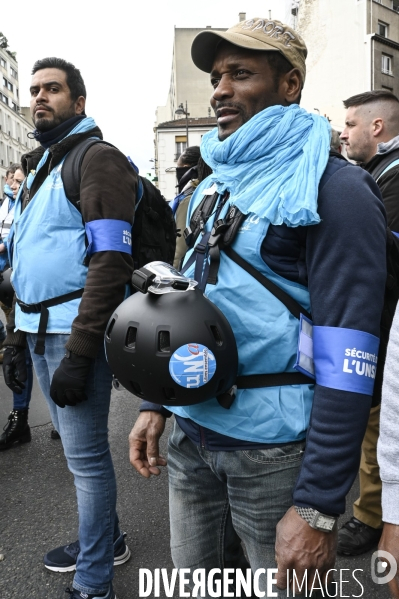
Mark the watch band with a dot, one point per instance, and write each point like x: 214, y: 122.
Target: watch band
x: 312, y: 517
x: 307, y: 513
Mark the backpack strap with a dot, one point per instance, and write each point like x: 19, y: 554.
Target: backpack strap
x: 71, y: 169
x: 42, y: 309
x: 222, y: 236
x: 199, y: 218
x: 292, y: 305
x: 278, y: 379
x: 388, y: 168
x: 387, y: 162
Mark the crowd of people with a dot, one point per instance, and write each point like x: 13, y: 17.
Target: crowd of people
x: 300, y: 273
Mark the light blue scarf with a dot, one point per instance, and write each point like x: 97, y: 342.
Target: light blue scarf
x: 8, y: 191
x: 273, y: 164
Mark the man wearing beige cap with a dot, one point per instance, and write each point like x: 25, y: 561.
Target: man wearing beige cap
x: 294, y: 263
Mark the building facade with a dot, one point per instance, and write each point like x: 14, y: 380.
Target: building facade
x: 170, y: 142
x: 15, y: 122
x: 353, y: 47
x: 187, y: 83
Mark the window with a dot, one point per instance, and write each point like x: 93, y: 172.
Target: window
x: 386, y: 65
x: 181, y: 145
x: 4, y: 98
x: 7, y: 84
x: 3, y: 63
x: 395, y: 5
x: 382, y: 29
x: 13, y: 73
x: 14, y: 106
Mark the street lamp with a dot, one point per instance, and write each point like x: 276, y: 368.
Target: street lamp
x: 180, y: 110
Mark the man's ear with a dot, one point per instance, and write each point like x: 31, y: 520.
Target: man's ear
x: 292, y: 86
x: 80, y: 105
x: 377, y: 127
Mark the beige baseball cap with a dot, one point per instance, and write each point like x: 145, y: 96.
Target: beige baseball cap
x: 254, y: 34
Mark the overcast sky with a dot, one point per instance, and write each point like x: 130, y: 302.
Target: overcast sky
x: 124, y: 52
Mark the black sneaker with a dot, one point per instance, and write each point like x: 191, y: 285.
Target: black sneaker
x: 356, y: 538
x: 63, y: 559
x: 75, y: 594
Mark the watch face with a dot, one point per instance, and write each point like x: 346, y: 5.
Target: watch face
x: 325, y: 523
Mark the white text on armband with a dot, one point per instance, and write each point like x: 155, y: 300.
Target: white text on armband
x: 361, y: 355
x: 362, y: 368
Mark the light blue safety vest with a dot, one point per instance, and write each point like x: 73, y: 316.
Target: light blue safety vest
x: 267, y: 339
x: 48, y: 253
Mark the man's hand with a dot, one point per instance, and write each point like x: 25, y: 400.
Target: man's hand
x: 390, y: 542
x: 69, y: 380
x: 303, y: 549
x: 144, y: 443
x: 2, y: 248
x: 14, y: 368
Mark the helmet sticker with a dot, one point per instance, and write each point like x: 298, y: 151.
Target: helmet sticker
x: 192, y: 365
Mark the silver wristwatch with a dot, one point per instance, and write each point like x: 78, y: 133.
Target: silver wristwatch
x: 316, y: 519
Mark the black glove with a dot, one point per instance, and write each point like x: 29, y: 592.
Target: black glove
x: 14, y: 368
x: 69, y: 380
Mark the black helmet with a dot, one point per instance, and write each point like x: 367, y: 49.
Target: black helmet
x: 6, y: 289
x: 171, y: 346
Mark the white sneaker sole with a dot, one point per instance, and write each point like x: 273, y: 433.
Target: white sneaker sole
x: 118, y: 561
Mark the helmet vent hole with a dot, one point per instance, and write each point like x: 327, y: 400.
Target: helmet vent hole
x: 217, y: 335
x: 131, y: 338
x: 169, y: 393
x: 164, y: 341
x: 109, y: 331
x: 136, y: 389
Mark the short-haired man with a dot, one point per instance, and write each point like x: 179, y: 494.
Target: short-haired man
x: 239, y: 471
x: 371, y: 137
x: 85, y: 282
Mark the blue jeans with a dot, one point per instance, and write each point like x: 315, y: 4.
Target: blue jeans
x: 84, y: 434
x: 215, y: 495
x: 22, y: 401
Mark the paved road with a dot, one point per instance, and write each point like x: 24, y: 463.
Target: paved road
x: 38, y: 511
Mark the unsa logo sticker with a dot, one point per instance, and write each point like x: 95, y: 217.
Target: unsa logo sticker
x: 192, y: 365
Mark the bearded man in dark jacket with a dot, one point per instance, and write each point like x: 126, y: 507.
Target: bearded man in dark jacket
x: 66, y: 290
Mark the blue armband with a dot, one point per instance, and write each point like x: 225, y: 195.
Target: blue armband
x: 106, y: 235
x: 338, y: 358
x: 345, y: 359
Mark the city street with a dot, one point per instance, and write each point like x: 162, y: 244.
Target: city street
x: 38, y: 511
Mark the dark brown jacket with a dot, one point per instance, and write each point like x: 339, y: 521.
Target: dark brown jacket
x: 108, y: 190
